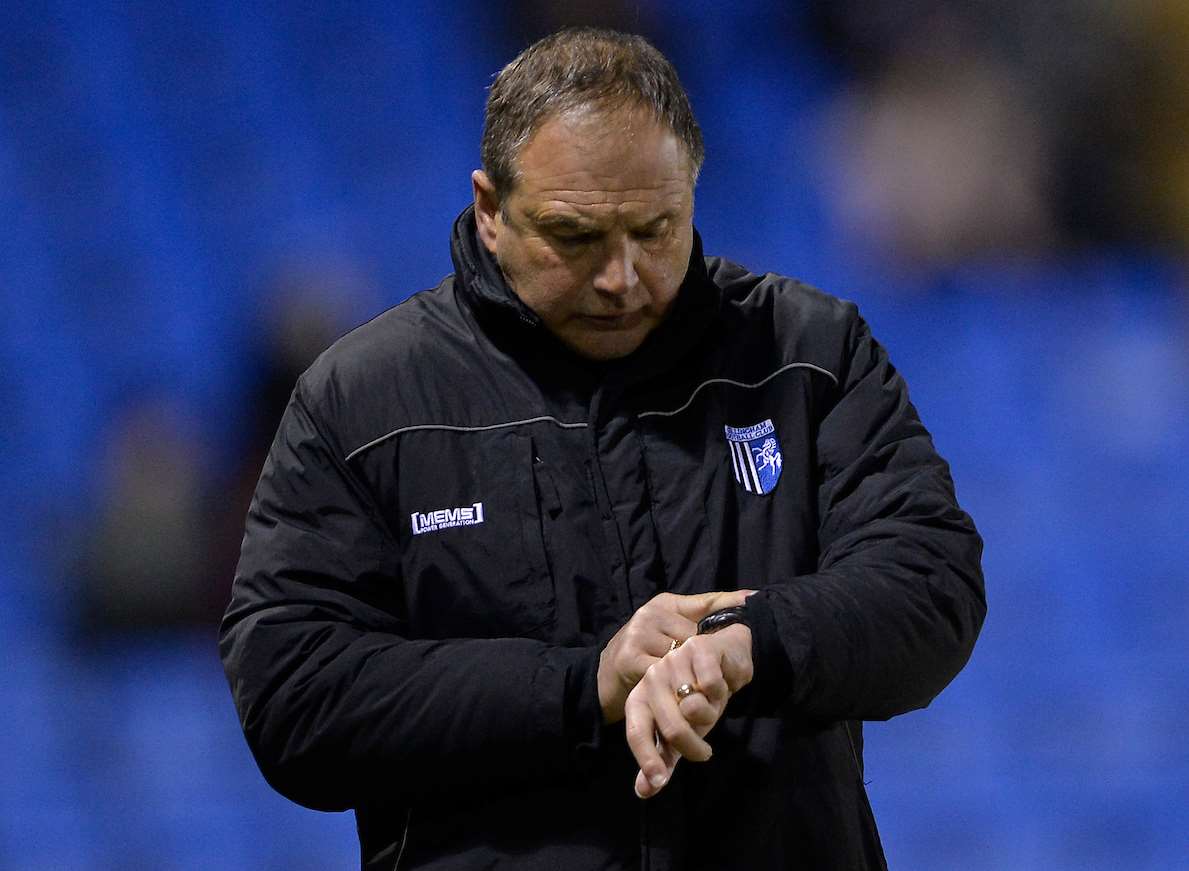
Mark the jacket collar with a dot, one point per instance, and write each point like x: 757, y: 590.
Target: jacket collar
x: 482, y: 285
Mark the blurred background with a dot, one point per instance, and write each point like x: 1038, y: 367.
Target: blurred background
x: 197, y: 198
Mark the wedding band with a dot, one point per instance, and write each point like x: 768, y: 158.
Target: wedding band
x: 674, y: 644
x: 685, y: 691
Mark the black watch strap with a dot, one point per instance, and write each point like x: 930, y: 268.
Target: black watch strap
x: 726, y: 617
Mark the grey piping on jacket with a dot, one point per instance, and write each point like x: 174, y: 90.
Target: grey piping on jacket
x: 734, y: 383
x: 453, y: 428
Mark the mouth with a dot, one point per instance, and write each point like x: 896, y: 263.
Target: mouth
x: 613, y: 322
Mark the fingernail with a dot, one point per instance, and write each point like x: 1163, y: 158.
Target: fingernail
x: 658, y: 780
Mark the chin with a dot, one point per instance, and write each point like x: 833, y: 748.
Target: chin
x: 605, y: 348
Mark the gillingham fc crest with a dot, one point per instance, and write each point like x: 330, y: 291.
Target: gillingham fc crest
x: 755, y: 456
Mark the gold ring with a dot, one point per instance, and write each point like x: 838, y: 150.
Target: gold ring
x: 674, y: 644
x: 686, y: 690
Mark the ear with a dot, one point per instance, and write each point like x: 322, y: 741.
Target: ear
x: 487, y: 209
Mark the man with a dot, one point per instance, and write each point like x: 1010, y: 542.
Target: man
x: 494, y: 590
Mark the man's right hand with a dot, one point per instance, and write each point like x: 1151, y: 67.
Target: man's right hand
x: 648, y: 636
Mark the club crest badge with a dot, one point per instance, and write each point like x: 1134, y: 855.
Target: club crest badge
x: 755, y: 456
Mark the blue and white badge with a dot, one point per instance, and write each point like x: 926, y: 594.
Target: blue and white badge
x: 755, y: 456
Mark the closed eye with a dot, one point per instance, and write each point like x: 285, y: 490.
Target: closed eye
x: 575, y: 240
x: 650, y: 233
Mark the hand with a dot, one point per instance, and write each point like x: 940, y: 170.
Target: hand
x: 661, y: 728
x: 648, y: 636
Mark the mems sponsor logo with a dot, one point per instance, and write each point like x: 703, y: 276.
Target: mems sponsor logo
x: 445, y: 518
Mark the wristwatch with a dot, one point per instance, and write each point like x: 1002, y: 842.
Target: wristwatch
x: 719, y: 619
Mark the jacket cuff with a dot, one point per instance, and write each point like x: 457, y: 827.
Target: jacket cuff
x: 582, y: 715
x: 772, y: 673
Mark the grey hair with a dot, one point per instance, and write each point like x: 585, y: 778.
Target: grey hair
x: 575, y: 68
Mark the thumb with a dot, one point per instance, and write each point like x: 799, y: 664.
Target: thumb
x: 697, y: 606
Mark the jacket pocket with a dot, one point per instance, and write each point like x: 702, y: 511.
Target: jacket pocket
x: 529, y: 578
x: 473, y: 557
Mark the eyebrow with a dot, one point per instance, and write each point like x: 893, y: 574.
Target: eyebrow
x: 564, y: 222
x: 578, y: 225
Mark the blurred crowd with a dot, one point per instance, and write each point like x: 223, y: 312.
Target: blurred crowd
x: 953, y: 132
x: 199, y: 200
x: 1010, y: 127
x: 165, y: 541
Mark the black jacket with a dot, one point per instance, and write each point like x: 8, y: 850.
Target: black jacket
x: 457, y: 514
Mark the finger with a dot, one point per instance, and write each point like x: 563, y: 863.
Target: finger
x: 706, y: 663
x: 734, y: 643
x: 640, y: 730
x: 673, y: 625
x: 653, y: 630
x: 699, y: 712
x: 643, y: 788
x: 672, y: 725
x: 697, y: 606
x: 702, y: 710
x: 695, y: 706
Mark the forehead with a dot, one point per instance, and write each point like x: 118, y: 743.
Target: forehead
x: 599, y: 162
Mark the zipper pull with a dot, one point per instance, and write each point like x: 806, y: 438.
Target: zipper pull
x: 546, y: 489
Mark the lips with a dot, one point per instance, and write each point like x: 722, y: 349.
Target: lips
x: 613, y: 322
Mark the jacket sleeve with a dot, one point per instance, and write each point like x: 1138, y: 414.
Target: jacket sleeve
x: 892, y: 613
x: 339, y: 707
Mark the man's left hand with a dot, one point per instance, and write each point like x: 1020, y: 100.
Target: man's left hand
x: 716, y: 667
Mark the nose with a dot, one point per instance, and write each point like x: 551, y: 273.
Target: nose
x: 617, y: 273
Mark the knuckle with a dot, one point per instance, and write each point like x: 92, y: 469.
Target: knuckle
x: 736, y: 681
x: 672, y: 732
x: 700, y: 713
x: 705, y: 659
x: 635, y: 730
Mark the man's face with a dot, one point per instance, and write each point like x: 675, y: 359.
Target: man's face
x: 596, y: 235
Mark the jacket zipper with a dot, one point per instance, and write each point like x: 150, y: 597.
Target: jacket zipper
x: 404, y: 840
x: 854, y: 754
